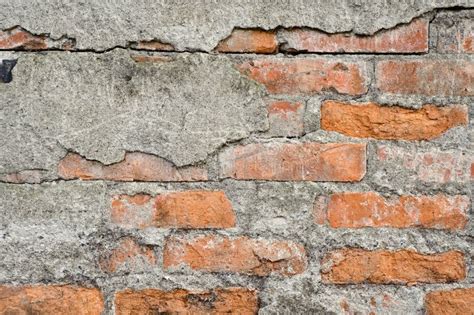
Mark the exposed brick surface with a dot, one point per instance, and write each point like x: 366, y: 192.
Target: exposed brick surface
x: 350, y: 266
x: 356, y: 210
x: 408, y: 38
x: 181, y: 301
x: 249, y: 41
x: 186, y: 209
x: 307, y: 76
x: 370, y: 120
x: 242, y: 255
x: 129, y: 255
x: 294, y: 162
x: 434, y: 166
x: 50, y: 299
x: 135, y: 167
x: 286, y: 118
x: 450, y: 302
x: 426, y: 77
x: 454, y: 32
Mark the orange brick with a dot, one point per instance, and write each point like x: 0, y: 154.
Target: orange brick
x: 50, y: 299
x: 135, y: 167
x: 285, y: 118
x: 357, y: 210
x: 180, y: 301
x: 426, y: 77
x: 295, y: 162
x: 412, y: 37
x: 450, y: 302
x: 351, y: 266
x: 240, y: 255
x: 187, y: 209
x: 153, y: 45
x: 128, y: 254
x: 370, y: 120
x: 249, y: 41
x: 307, y: 76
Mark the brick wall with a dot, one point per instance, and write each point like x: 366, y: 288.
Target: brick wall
x: 288, y: 169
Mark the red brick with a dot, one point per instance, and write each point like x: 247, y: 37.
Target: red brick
x: 408, y: 38
x: 50, y: 299
x: 134, y: 167
x: 153, y: 45
x: 307, y: 76
x: 181, y: 301
x: 454, y: 32
x: 295, y: 162
x: 352, y: 266
x: 426, y: 77
x: 129, y: 255
x: 285, y: 118
x: 357, y: 210
x: 240, y: 255
x: 434, y: 166
x: 370, y: 120
x: 187, y: 210
x: 249, y: 41
x: 450, y: 302
x: 18, y: 38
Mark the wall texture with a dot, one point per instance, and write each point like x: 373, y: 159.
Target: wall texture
x: 205, y: 157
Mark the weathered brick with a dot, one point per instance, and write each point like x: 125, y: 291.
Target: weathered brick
x: 285, y: 118
x: 433, y: 166
x: 450, y: 302
x: 186, y: 209
x: 407, y: 38
x: 249, y: 41
x: 153, y: 45
x: 454, y: 32
x: 50, y: 299
x: 357, y: 210
x: 18, y: 38
x: 351, y: 266
x: 129, y: 255
x: 181, y: 301
x: 26, y: 176
x: 135, y: 167
x: 307, y: 76
x: 242, y: 255
x: 426, y: 77
x: 370, y: 120
x: 294, y: 162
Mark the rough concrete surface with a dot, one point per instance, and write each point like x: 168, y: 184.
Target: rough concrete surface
x: 188, y: 106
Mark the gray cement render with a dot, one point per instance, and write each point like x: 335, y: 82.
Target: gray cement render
x: 103, y: 104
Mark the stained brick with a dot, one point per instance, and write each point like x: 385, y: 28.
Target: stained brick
x: 186, y: 209
x: 135, y: 167
x: 454, y: 32
x: 295, y: 162
x: 241, y: 255
x: 307, y: 76
x: 426, y: 77
x: 285, y: 118
x: 351, y: 266
x: 249, y: 41
x: 128, y: 255
x: 356, y: 210
x: 370, y: 120
x: 50, y: 299
x: 408, y: 38
x: 181, y: 301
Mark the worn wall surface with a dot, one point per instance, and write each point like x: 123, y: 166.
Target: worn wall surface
x: 209, y: 157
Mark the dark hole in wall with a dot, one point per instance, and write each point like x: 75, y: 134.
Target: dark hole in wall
x: 6, y: 67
